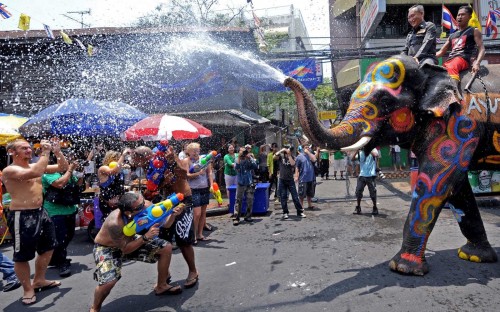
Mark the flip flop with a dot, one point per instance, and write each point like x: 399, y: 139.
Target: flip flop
x: 203, y: 239
x: 172, y: 290
x: 208, y: 227
x: 28, y: 300
x: 191, y: 282
x: 51, y: 285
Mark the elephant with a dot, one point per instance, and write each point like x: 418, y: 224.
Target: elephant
x: 451, y: 132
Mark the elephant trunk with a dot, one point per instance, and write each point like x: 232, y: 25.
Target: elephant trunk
x: 343, y: 135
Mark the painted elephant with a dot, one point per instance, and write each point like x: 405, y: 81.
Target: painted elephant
x: 419, y: 108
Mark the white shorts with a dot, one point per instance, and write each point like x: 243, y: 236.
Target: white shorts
x: 339, y: 164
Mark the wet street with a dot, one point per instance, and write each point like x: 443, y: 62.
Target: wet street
x: 330, y: 261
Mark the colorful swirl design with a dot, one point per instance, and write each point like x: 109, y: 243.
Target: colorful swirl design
x: 448, y: 156
x: 402, y: 120
x: 363, y: 115
x: 390, y: 73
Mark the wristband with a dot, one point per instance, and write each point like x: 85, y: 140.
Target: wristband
x: 145, y: 239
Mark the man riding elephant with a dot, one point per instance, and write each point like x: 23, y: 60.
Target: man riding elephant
x: 463, y: 45
x: 416, y: 107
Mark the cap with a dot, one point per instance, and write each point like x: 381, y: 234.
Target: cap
x: 248, y: 146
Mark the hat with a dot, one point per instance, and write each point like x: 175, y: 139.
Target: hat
x: 248, y: 146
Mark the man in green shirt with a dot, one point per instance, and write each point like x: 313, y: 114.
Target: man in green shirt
x: 338, y: 164
x: 62, y: 208
x: 324, y: 163
x: 230, y: 175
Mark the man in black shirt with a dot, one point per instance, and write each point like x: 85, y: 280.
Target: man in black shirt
x: 286, y: 181
x: 421, y: 40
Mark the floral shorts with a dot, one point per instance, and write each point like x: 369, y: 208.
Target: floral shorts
x: 109, y: 260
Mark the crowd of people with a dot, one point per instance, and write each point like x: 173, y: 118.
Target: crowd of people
x: 45, y: 186
x: 53, y: 179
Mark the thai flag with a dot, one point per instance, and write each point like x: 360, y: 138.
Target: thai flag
x: 3, y: 11
x: 448, y: 21
x: 49, y: 32
x: 491, y: 25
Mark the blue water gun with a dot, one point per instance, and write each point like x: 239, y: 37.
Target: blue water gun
x: 157, y: 167
x: 204, y: 162
x: 156, y: 213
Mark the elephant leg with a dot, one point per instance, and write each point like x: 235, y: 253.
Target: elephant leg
x: 422, y: 217
x: 477, y: 248
x: 445, y: 154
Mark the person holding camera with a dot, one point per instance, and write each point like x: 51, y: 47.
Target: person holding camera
x: 61, y: 199
x: 286, y: 181
x: 245, y: 166
x: 304, y: 174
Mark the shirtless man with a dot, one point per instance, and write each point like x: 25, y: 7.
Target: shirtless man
x: 112, y: 246
x: 176, y: 182
x: 183, y: 229
x: 33, y: 230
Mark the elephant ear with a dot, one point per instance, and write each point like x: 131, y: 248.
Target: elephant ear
x: 439, y: 91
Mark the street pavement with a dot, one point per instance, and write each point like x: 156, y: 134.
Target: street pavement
x: 330, y: 261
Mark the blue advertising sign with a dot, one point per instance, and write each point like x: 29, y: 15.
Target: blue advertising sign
x: 306, y: 71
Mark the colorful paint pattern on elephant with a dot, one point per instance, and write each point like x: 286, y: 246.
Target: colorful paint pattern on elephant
x: 387, y: 75
x: 402, y: 120
x: 450, y: 154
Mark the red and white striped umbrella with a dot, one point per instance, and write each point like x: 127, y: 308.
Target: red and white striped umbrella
x: 160, y: 127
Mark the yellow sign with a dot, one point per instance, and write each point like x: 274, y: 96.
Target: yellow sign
x: 326, y: 115
x: 24, y: 22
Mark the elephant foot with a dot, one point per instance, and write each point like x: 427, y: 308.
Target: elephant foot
x: 409, y: 264
x: 477, y: 252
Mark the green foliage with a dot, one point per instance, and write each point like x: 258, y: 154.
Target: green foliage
x: 201, y: 13
x: 275, y: 39
x: 323, y: 96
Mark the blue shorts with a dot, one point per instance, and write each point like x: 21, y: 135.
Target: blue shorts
x: 201, y: 197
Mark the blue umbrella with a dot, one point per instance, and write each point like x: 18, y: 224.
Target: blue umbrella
x: 83, y: 117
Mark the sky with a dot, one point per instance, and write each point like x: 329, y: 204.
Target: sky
x: 123, y: 12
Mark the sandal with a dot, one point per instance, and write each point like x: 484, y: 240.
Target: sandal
x: 203, y: 239
x: 51, y: 285
x: 172, y: 290
x: 28, y: 300
x: 191, y: 282
x: 207, y: 227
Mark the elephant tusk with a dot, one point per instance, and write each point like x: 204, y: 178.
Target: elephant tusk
x: 358, y: 145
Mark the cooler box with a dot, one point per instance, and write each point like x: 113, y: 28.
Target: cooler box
x: 260, y: 200
x: 87, y: 212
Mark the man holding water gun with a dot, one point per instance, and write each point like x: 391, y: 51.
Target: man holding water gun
x: 112, y: 246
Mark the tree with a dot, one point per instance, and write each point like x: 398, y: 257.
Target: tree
x: 323, y: 96
x: 201, y: 13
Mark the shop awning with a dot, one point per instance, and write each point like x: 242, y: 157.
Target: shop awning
x: 349, y: 74
x: 341, y: 6
x: 228, y: 117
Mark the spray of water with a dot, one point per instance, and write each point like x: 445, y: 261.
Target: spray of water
x: 155, y: 72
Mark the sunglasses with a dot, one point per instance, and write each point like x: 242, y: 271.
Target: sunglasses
x: 140, y: 207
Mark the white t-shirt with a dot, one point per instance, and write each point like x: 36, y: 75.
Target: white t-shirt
x: 397, y: 149
x: 182, y: 155
x: 90, y: 168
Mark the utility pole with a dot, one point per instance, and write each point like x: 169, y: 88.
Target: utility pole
x: 82, y: 13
